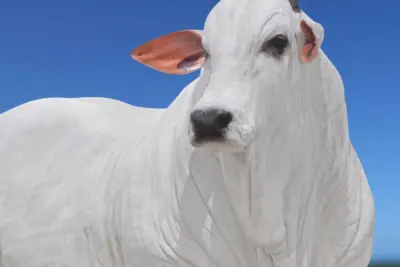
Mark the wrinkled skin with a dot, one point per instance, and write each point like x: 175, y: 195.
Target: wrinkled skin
x: 97, y: 182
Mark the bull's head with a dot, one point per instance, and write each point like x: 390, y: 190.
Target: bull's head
x: 254, y: 56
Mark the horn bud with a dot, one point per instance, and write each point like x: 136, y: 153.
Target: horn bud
x: 295, y: 5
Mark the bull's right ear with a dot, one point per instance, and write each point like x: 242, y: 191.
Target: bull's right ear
x: 174, y: 53
x: 311, y: 40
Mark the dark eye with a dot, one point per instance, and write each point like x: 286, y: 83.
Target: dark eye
x: 276, y: 46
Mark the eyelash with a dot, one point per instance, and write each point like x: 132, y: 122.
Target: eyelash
x: 276, y: 46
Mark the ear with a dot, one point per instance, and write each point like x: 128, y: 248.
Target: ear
x: 313, y: 36
x: 174, y: 53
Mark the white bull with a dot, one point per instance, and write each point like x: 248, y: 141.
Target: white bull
x: 251, y: 165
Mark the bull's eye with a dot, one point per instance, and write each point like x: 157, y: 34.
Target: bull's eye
x: 276, y: 46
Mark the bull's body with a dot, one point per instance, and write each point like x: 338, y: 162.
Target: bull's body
x: 97, y: 182
x: 274, y: 182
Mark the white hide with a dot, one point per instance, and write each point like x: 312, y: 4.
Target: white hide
x: 97, y: 182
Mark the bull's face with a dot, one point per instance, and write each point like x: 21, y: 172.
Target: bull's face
x: 252, y: 53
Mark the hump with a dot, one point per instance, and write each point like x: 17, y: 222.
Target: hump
x: 47, y: 124
x: 87, y: 112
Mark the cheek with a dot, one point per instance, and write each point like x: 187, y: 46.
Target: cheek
x: 267, y: 90
x: 270, y: 70
x: 275, y: 74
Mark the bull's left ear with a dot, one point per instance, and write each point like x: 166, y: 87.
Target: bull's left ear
x: 312, y: 38
x: 173, y: 53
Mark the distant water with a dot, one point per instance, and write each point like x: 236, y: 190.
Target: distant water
x: 385, y: 264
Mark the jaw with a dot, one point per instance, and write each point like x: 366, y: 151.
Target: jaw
x: 223, y: 146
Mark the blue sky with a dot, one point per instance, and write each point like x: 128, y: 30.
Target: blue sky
x: 81, y: 48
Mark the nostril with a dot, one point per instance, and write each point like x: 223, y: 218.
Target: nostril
x: 196, y: 117
x: 223, y: 119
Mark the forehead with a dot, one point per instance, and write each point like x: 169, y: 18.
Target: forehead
x: 231, y: 20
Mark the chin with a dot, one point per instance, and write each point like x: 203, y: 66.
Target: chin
x: 215, y: 146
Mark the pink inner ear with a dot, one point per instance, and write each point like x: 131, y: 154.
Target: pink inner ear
x: 192, y: 62
x: 310, y: 49
x: 175, y: 53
